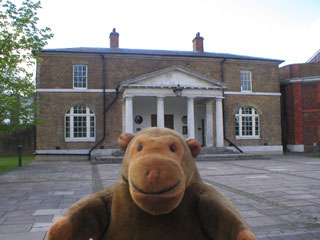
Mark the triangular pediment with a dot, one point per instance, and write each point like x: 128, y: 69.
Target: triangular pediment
x: 173, y: 76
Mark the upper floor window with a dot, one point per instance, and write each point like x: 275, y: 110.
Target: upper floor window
x: 247, y: 123
x: 80, y: 75
x: 245, y: 81
x: 79, y: 124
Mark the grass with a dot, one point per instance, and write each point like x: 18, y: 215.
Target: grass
x: 8, y: 163
x: 316, y: 155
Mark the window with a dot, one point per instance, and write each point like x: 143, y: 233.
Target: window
x: 79, y: 124
x: 80, y: 76
x: 247, y: 123
x: 245, y: 81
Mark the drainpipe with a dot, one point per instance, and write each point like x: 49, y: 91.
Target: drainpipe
x: 223, y: 112
x: 105, y: 110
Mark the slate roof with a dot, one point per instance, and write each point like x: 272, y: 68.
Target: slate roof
x: 156, y: 53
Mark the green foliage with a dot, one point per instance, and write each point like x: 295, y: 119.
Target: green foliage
x: 9, y: 163
x: 20, y: 38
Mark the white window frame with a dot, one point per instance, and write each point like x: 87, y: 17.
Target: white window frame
x: 254, y: 115
x: 86, y: 76
x: 245, y: 76
x: 71, y: 115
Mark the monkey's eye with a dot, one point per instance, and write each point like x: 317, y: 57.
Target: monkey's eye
x: 172, y: 148
x: 140, y: 147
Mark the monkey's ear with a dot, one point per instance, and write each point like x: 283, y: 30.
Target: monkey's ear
x: 124, y: 140
x: 194, y: 146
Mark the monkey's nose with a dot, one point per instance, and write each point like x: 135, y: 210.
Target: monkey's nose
x: 153, y: 175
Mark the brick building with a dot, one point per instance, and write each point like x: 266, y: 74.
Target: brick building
x: 91, y: 95
x: 300, y: 88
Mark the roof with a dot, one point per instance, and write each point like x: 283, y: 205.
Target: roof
x: 312, y: 59
x: 156, y: 53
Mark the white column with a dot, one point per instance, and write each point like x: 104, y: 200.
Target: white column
x: 219, y: 123
x: 191, y: 117
x: 160, y: 112
x: 123, y: 116
x: 129, y: 115
x: 209, y: 123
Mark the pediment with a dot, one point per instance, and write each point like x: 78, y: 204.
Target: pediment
x: 173, y: 76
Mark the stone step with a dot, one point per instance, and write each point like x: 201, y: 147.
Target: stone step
x: 231, y: 156
x: 216, y: 150
x: 202, y: 157
x: 106, y: 160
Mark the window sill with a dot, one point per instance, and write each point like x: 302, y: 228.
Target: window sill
x: 80, y: 140
x: 78, y: 88
x: 248, y: 138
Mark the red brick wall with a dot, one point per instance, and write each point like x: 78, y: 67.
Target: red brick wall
x: 302, y: 104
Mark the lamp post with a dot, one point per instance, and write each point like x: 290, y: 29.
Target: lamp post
x: 178, y: 90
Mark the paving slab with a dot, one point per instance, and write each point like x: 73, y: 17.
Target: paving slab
x: 24, y: 236
x: 279, y: 196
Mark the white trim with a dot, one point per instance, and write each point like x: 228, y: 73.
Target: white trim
x: 253, y: 115
x: 171, y: 87
x: 80, y: 140
x: 300, y: 80
x: 165, y: 92
x: 295, y: 147
x: 78, y: 90
x: 252, y: 93
x: 76, y: 65
x: 184, y: 70
x: 268, y: 148
x: 248, y: 80
x: 247, y: 137
x: 71, y: 116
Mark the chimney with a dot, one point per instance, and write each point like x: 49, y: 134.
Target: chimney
x: 198, y: 43
x: 114, y: 39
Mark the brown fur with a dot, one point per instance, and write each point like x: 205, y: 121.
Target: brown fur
x: 159, y: 195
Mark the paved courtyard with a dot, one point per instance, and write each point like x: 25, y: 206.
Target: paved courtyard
x: 279, y: 197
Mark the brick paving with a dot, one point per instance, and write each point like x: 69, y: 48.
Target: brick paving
x: 279, y: 197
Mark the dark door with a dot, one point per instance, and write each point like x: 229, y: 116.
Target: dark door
x: 168, y: 121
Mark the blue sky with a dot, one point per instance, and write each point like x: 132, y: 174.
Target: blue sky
x: 279, y: 29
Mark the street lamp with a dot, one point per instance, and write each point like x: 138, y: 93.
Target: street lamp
x: 178, y: 90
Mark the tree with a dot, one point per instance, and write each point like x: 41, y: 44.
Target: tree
x: 20, y: 38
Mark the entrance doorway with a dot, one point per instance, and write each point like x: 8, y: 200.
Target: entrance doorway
x: 168, y: 121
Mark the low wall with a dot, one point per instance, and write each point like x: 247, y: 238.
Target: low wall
x: 9, y: 143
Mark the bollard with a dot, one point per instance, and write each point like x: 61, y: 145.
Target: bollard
x: 20, y: 155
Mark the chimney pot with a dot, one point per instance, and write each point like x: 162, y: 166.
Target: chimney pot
x: 114, y: 39
x: 198, y: 43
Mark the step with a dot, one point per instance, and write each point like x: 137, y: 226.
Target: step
x: 202, y: 157
x: 228, y: 157
x: 106, y: 160
x: 216, y: 150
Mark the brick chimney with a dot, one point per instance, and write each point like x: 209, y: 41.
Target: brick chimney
x: 114, y: 39
x: 198, y: 43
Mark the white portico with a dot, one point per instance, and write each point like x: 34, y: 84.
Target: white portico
x: 177, y: 98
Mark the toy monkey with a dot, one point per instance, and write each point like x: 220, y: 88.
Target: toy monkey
x: 159, y: 195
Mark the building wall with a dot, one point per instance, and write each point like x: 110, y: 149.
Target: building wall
x: 268, y: 108
x: 300, y: 85
x: 56, y: 72
x: 50, y: 134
